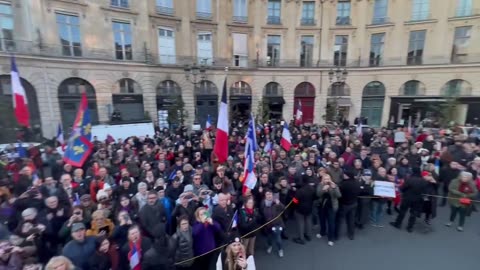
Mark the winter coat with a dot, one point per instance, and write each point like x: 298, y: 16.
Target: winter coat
x: 183, y: 248
x: 204, y: 237
x: 305, y: 196
x: 248, y: 222
x: 99, y: 261
x: 80, y: 252
x: 159, y: 256
x: 270, y: 212
x: 150, y: 216
x: 146, y: 244
x: 95, y: 229
x: 454, y: 193
x: 334, y: 195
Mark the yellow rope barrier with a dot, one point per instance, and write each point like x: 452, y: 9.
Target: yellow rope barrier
x: 257, y: 229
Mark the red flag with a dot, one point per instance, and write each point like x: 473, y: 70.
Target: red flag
x: 221, y: 140
x: 20, y: 104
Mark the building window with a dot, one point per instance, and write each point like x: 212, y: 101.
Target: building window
x: 460, y: 43
x: 377, y: 42
x: 420, y: 10
x: 240, y: 11
x: 240, y: 50
x: 306, y: 52
x: 464, y: 8
x: 343, y: 13
x: 119, y: 3
x: 413, y: 88
x: 380, y: 10
x: 165, y: 7
x: 204, y: 48
x: 204, y: 9
x: 308, y: 13
x: 6, y: 24
x: 457, y: 88
x: 122, y: 34
x: 69, y: 33
x: 166, y: 46
x: 273, y: 89
x: 416, y: 47
x: 273, y: 50
x: 274, y: 11
x: 340, y: 51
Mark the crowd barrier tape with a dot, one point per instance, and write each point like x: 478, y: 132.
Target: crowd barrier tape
x: 295, y: 201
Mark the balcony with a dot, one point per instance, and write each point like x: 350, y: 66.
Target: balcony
x: 165, y: 10
x: 307, y: 21
x: 343, y: 21
x: 204, y: 15
x: 275, y: 20
x: 380, y: 20
x: 240, y: 19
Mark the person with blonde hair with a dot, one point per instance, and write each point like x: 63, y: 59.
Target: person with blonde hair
x: 100, y: 225
x: 235, y: 258
x: 60, y: 263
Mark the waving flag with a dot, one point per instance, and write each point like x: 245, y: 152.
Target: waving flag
x: 134, y: 258
x: 299, y: 113
x: 221, y: 140
x: 235, y: 220
x: 268, y: 147
x: 20, y: 104
x: 79, y: 146
x: 286, y: 141
x: 60, y: 137
x: 208, y: 125
x: 249, y: 177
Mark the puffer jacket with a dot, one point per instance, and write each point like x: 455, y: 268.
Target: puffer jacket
x: 183, y: 248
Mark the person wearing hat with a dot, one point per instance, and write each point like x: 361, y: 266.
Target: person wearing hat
x: 80, y: 248
x: 350, y: 190
x: 412, y: 198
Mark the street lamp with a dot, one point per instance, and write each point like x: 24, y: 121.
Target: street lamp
x: 194, y: 73
x: 338, y: 75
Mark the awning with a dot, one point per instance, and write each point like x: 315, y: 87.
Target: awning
x: 344, y: 102
x: 274, y: 100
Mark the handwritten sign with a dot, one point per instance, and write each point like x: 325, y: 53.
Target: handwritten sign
x: 384, y: 189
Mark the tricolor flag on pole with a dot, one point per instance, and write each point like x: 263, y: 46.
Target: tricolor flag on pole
x: 134, y: 258
x: 249, y: 177
x: 235, y: 220
x: 208, y: 125
x: 299, y: 113
x: 286, y: 141
x: 20, y: 103
x: 221, y: 139
x: 60, y: 136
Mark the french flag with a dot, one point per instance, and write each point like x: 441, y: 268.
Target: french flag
x: 134, y: 258
x: 220, y: 148
x: 20, y: 103
x: 235, y: 220
x: 286, y: 141
x: 208, y: 125
x: 249, y: 177
x: 268, y: 147
x: 299, y: 113
x: 60, y: 137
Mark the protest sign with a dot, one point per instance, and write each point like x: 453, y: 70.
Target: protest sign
x: 384, y: 189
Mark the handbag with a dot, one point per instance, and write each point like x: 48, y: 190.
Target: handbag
x: 465, y: 201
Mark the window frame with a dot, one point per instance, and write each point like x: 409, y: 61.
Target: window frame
x: 308, y: 13
x: 380, y: 7
x: 344, y: 12
x: 420, y: 10
x: 69, y: 25
x: 306, y: 50
x: 120, y: 3
x: 415, y: 55
x: 273, y: 50
x: 274, y: 11
x: 123, y: 44
x: 376, y: 58
x: 338, y: 59
x: 7, y: 44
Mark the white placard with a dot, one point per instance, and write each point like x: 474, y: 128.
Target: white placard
x: 384, y: 189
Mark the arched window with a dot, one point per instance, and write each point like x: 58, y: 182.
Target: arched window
x: 305, y: 89
x: 127, y: 86
x: 127, y: 102
x: 240, y: 88
x: 374, y: 89
x: 206, y: 88
x: 273, y: 89
x: 168, y: 88
x: 69, y: 96
x: 8, y: 122
x: 339, y: 89
x: 412, y: 88
x: 372, y: 103
x: 457, y: 88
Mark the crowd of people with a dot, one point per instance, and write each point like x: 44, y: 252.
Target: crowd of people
x: 165, y: 202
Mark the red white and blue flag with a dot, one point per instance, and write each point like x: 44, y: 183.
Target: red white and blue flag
x: 286, y: 141
x: 208, y: 125
x: 220, y: 149
x: 20, y: 103
x: 249, y: 177
x: 134, y: 258
x: 60, y: 137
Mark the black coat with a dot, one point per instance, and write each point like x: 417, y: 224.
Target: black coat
x: 99, y: 261
x: 223, y: 217
x: 413, y: 188
x: 124, y: 264
x: 350, y: 190
x: 305, y: 196
x: 152, y: 215
x: 158, y: 257
x: 248, y: 222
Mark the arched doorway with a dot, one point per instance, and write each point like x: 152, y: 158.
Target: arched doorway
x: 459, y: 106
x: 273, y: 101
x: 372, y: 103
x: 240, y: 101
x: 69, y: 96
x: 206, y: 96
x: 11, y: 132
x: 305, y: 95
x: 338, y: 103
x: 127, y: 102
x: 169, y: 103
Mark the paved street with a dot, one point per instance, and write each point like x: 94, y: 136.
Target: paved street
x: 384, y: 248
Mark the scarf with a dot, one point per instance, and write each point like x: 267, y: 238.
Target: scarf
x: 138, y: 246
x: 249, y: 211
x: 465, y: 188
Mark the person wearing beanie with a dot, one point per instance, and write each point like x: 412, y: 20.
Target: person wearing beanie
x: 412, y: 198
x: 350, y: 190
